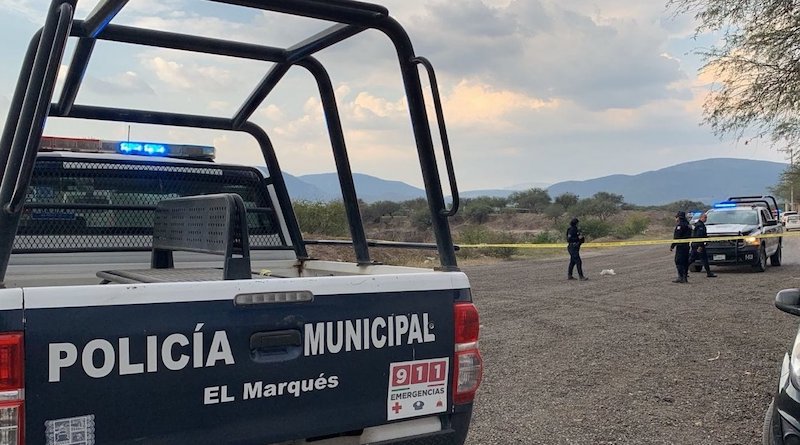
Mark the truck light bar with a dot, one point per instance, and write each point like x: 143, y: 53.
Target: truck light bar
x: 725, y: 205
x: 193, y: 152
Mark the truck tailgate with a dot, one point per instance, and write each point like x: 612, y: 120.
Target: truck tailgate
x: 234, y: 362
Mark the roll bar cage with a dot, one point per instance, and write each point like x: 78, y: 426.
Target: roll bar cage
x: 769, y: 202
x: 32, y: 103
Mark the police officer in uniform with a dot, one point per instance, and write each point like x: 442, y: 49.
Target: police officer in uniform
x: 699, y: 247
x: 682, y: 231
x: 574, y: 240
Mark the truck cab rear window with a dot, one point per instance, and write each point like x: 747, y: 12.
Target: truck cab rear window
x: 99, y: 204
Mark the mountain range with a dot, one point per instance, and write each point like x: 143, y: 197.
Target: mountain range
x: 708, y: 181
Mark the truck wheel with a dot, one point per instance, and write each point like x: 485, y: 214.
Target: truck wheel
x: 697, y: 268
x: 766, y: 429
x: 775, y: 259
x: 761, y: 265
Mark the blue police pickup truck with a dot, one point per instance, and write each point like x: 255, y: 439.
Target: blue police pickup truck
x: 153, y: 296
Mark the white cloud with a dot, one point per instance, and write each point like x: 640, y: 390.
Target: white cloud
x: 188, y: 76
x: 366, y: 106
x: 272, y: 112
x: 128, y: 82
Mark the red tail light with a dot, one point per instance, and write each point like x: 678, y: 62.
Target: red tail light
x: 468, y: 369
x: 12, y: 389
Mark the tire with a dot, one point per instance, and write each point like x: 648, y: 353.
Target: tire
x: 775, y: 259
x: 766, y: 429
x: 761, y: 265
x: 697, y: 268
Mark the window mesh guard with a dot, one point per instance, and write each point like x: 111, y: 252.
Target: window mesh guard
x: 99, y: 205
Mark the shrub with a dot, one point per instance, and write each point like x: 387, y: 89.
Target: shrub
x: 322, y: 218
x: 546, y: 237
x: 478, y: 213
x: 481, y: 235
x: 634, y: 225
x: 594, y: 228
x: 421, y: 219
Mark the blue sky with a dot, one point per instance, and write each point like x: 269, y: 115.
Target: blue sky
x: 534, y: 91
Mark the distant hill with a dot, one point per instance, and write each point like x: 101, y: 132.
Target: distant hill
x: 494, y: 193
x: 708, y: 181
x: 369, y: 188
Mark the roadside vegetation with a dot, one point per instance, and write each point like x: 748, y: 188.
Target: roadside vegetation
x: 530, y: 216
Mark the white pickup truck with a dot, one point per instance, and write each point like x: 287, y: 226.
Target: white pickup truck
x: 153, y: 296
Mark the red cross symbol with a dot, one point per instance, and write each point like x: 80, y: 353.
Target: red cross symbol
x: 397, y: 407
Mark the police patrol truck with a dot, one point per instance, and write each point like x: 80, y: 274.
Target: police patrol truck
x: 754, y: 220
x: 152, y: 295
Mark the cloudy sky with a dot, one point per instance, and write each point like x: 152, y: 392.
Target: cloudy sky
x: 534, y: 91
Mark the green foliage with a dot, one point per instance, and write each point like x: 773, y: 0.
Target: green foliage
x: 535, y: 200
x: 594, y: 228
x: 554, y: 212
x: 421, y: 219
x: 478, y: 213
x: 546, y: 237
x: 685, y: 205
x: 477, y: 234
x: 492, y: 201
x: 373, y: 212
x: 322, y: 218
x: 566, y: 200
x: 754, y: 58
x: 633, y: 225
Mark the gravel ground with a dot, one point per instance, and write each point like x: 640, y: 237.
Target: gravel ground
x: 630, y: 358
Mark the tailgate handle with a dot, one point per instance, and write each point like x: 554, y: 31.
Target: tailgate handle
x: 275, y: 339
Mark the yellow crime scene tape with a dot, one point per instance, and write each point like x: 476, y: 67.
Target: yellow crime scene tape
x: 631, y: 243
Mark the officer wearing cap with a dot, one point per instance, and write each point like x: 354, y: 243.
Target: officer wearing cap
x: 699, y: 247
x: 682, y: 231
x: 574, y: 240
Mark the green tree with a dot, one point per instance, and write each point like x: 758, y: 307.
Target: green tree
x: 321, y: 218
x: 566, y: 200
x: 788, y: 186
x: 685, y: 205
x: 755, y: 63
x: 373, y: 212
x: 601, y: 205
x: 478, y: 213
x: 535, y: 200
x: 595, y: 228
x: 554, y: 212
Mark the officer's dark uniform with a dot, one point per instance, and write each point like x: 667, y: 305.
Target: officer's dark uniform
x: 699, y: 248
x: 682, y: 231
x: 574, y: 240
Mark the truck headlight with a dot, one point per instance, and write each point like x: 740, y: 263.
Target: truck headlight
x: 794, y: 363
x: 751, y: 240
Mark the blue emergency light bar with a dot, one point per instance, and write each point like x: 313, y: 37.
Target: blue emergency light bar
x: 725, y: 205
x: 194, y: 152
x: 142, y: 149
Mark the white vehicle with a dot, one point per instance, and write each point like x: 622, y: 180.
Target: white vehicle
x: 785, y: 216
x: 792, y: 223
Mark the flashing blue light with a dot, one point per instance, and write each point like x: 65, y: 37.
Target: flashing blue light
x: 155, y: 149
x: 725, y: 205
x: 130, y: 147
x: 142, y: 149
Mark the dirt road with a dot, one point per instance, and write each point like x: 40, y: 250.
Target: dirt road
x: 630, y: 358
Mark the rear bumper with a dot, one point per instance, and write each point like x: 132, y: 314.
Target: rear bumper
x: 454, y: 431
